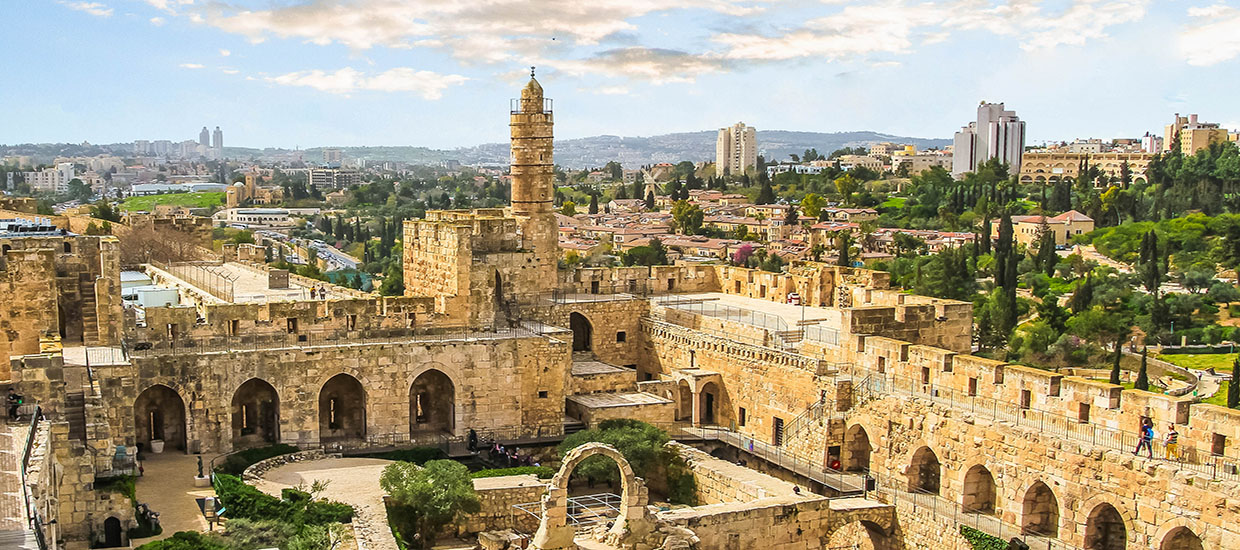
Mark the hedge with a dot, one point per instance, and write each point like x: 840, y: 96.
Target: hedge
x: 242, y: 500
x: 982, y: 541
x: 543, y: 472
x: 416, y: 455
x: 236, y: 463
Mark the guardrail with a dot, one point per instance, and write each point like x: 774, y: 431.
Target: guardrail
x: 309, y: 339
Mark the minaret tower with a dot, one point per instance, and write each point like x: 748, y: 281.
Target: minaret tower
x: 533, y: 177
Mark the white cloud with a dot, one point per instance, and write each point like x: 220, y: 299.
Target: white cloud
x: 229, y: 70
x: 190, y: 66
x: 605, y: 90
x: 93, y: 8
x: 225, y: 53
x: 157, y: 21
x: 1212, y: 37
x: 169, y: 5
x: 429, y: 85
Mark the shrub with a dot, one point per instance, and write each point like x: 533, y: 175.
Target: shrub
x: 982, y: 541
x: 643, y: 445
x: 185, y: 540
x: 543, y: 472
x: 427, y: 498
x: 236, y: 463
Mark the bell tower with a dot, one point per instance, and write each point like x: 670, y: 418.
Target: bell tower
x: 533, y: 177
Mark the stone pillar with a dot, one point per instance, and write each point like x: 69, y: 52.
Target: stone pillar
x: 696, y: 417
x: 843, y: 395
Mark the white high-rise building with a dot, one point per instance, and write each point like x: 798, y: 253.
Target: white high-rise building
x: 204, y: 137
x: 217, y: 142
x: 997, y: 133
x: 736, y: 150
x: 51, y: 180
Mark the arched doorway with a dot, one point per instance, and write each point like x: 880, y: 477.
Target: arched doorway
x: 432, y: 404
x: 255, y: 414
x: 979, y: 491
x: 709, y: 403
x: 112, y: 533
x: 684, y: 409
x: 1104, y: 530
x: 159, y: 414
x: 924, y: 471
x: 1041, y: 512
x: 856, y: 449
x: 554, y: 529
x: 342, y: 410
x: 582, y: 332
x: 1181, y: 538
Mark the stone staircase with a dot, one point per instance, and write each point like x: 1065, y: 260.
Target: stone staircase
x: 90, y: 320
x: 75, y: 414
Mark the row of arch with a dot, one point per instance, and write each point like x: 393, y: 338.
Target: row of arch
x: 1105, y: 527
x: 160, y: 412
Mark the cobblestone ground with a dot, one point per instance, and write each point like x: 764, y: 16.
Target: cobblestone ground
x: 167, y: 486
x: 353, y: 481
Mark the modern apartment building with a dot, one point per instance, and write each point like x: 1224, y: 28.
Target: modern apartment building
x: 996, y: 133
x: 1194, y: 134
x: 736, y: 149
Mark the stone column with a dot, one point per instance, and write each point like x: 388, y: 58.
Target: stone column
x: 697, y: 408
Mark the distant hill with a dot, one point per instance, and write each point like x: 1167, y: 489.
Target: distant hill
x: 694, y: 146
x: 585, y: 152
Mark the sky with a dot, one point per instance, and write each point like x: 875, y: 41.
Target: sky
x: 439, y: 73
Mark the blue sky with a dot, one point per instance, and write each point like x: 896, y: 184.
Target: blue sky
x: 439, y: 73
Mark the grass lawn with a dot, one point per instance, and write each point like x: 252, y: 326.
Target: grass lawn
x: 1221, y: 362
x: 190, y: 200
x: 893, y: 202
x: 1219, y: 398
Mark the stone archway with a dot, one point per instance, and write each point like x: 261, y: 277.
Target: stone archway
x: 860, y: 535
x: 554, y: 531
x: 924, y: 472
x: 684, y: 401
x: 583, y: 332
x: 1105, y: 529
x: 1181, y: 538
x: 255, y: 414
x: 342, y: 410
x: 978, y: 496
x: 857, y: 449
x: 113, y: 536
x: 432, y: 404
x: 1040, y: 509
x: 159, y: 414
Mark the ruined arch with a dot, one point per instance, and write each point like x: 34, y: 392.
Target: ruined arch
x: 978, y: 491
x: 1105, y: 528
x: 860, y: 535
x: 342, y: 409
x: 159, y: 414
x: 1180, y: 538
x: 255, y: 414
x: 924, y: 472
x: 857, y: 449
x: 432, y: 403
x: 1040, y: 511
x: 554, y: 531
x: 583, y: 332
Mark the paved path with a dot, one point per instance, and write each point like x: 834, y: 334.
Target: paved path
x: 353, y: 481
x: 167, y: 486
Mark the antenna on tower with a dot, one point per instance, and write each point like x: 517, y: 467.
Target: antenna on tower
x: 531, y: 71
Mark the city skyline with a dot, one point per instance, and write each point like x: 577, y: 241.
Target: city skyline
x: 382, y: 73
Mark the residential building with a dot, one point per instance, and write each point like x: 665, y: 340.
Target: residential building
x: 51, y: 180
x: 1085, y: 146
x: 204, y: 137
x: 919, y: 162
x: 1044, y: 167
x: 217, y: 142
x: 1194, y: 134
x: 254, y: 217
x: 333, y: 157
x: 997, y: 133
x: 736, y: 150
x: 1028, y: 229
x: 848, y: 162
x: 334, y: 178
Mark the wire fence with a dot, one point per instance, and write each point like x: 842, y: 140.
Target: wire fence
x: 206, y: 276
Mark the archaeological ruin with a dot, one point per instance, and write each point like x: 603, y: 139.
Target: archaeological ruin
x: 857, y: 419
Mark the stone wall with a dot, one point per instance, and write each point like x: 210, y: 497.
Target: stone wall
x: 497, y: 496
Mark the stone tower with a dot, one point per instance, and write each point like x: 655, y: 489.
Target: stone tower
x: 533, y: 178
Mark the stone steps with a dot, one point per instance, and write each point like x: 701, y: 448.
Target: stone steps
x: 75, y: 414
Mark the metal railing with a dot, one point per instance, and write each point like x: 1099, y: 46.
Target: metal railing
x: 711, y: 308
x: 201, y: 276
x: 822, y: 334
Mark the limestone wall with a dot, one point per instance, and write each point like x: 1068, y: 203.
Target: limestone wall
x: 498, y: 495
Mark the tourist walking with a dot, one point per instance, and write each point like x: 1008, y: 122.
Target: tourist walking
x: 15, y: 402
x: 1146, y: 439
x: 1172, y: 443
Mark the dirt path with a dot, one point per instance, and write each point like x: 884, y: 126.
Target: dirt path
x: 353, y: 481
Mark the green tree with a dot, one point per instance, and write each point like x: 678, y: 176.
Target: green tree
x: 78, y: 190
x: 431, y: 497
x: 569, y: 208
x: 650, y: 204
x: 593, y: 203
x: 687, y: 217
x: 1233, y: 389
x: 846, y: 185
x: 1046, y: 258
x: 645, y: 448
x: 792, y: 218
x: 1119, y: 345
x: 766, y: 195
x: 104, y: 211
x: 813, y: 204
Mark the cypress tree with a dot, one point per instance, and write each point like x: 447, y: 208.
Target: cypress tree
x: 1119, y: 344
x: 650, y: 200
x: 593, y: 204
x: 1143, y: 378
x: 1233, y: 390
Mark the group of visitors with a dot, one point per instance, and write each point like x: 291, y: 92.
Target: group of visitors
x: 512, y: 456
x: 1145, y: 440
x: 318, y: 292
